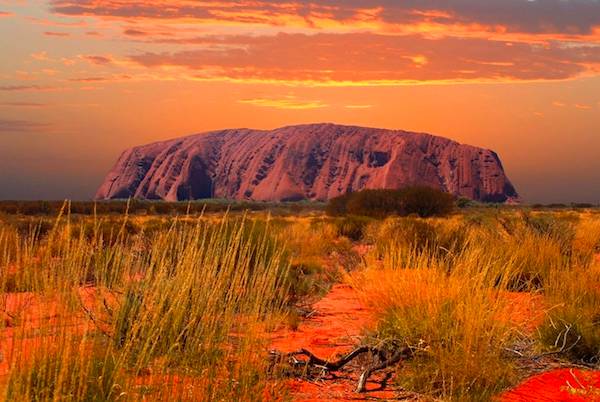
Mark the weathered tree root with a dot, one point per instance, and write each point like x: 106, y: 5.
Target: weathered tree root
x: 382, y: 359
x: 397, y: 357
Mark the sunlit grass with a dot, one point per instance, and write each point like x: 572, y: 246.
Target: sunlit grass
x: 464, y: 295
x: 162, y: 308
x: 112, y: 316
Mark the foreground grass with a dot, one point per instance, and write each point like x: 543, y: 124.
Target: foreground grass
x: 178, y: 315
x: 463, y: 294
x: 158, y: 308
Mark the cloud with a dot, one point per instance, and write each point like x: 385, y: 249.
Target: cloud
x: 359, y: 106
x: 54, y: 23
x: 21, y: 126
x: 98, y: 60
x: 532, y: 16
x: 152, y: 31
x: 40, y: 56
x: 14, y: 88
x: 57, y: 34
x: 372, y: 58
x: 537, y: 16
x: 88, y: 79
x: 290, y: 102
x: 111, y: 78
x: 135, y: 32
x: 345, y: 42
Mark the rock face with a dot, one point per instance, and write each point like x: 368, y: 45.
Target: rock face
x: 315, y: 162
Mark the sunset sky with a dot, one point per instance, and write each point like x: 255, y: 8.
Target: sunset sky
x: 81, y: 80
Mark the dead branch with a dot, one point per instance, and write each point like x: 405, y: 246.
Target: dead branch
x: 563, y: 348
x: 98, y: 323
x: 382, y: 360
x: 402, y: 354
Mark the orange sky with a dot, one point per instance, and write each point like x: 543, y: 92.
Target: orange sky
x: 80, y: 80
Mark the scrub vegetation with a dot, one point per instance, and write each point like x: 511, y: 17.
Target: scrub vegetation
x: 182, y: 305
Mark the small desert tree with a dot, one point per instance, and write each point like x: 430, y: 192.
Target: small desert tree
x: 418, y: 200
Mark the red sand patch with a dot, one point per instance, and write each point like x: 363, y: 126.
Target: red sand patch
x: 333, y: 329
x: 525, y: 310
x: 558, y: 385
x: 334, y: 326
x: 33, y: 322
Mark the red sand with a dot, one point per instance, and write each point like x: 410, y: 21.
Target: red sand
x: 525, y: 310
x: 32, y: 322
x: 334, y: 329
x: 558, y: 385
x: 335, y: 325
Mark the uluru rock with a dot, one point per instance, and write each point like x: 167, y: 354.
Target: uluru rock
x: 314, y: 162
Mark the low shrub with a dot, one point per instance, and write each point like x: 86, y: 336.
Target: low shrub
x: 338, y: 206
x: 418, y: 200
x: 426, y: 201
x: 560, y: 228
x: 306, y: 279
x: 417, y: 235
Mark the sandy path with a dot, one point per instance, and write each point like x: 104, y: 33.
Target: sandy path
x: 334, y: 328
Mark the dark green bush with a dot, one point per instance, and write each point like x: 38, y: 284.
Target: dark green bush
x: 426, y: 201
x: 418, y: 200
x: 337, y: 206
x: 463, y: 202
x: 376, y: 203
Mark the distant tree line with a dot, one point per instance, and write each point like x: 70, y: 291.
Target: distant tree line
x: 143, y: 207
x: 573, y: 205
x: 416, y: 200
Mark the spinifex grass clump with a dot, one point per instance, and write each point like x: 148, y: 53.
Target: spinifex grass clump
x: 456, y: 322
x: 572, y: 325
x: 318, y: 254
x: 436, y: 237
x: 463, y: 293
x: 177, y: 314
x: 196, y: 288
